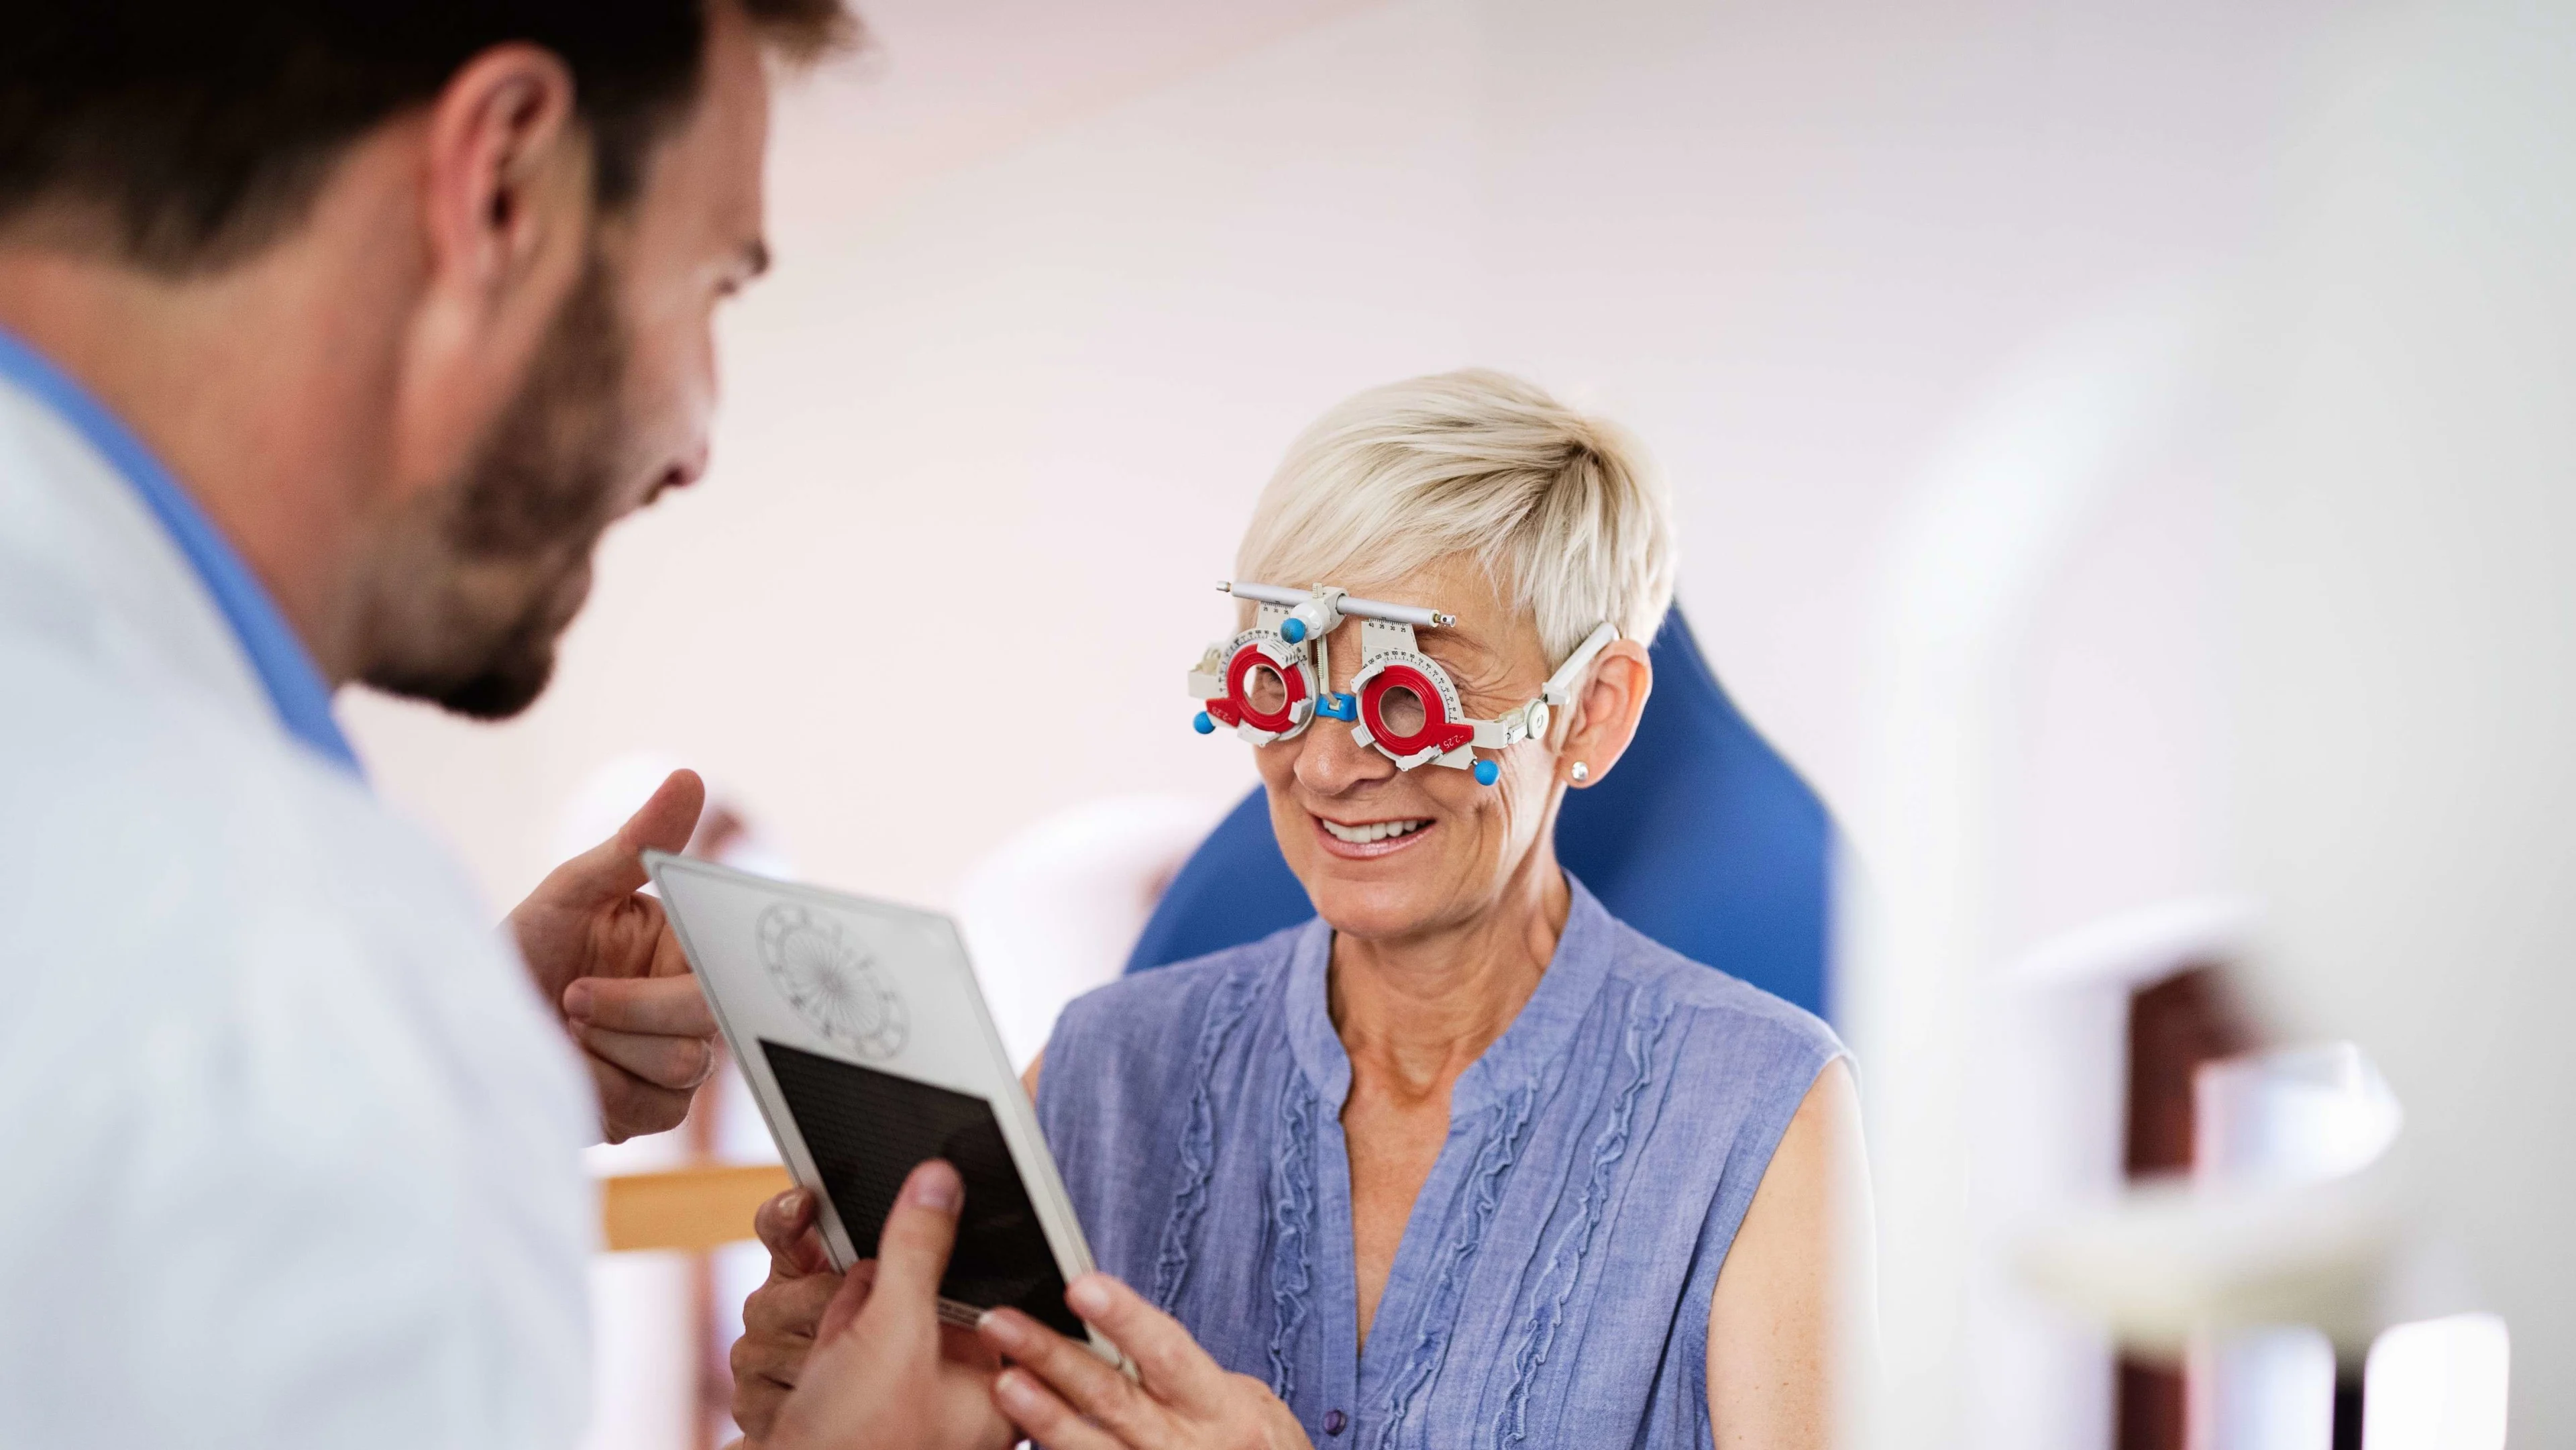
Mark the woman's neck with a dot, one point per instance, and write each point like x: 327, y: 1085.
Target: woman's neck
x: 1418, y: 1010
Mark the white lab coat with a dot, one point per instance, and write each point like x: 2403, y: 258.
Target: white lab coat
x: 288, y: 1142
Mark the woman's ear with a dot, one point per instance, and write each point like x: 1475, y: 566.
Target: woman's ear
x: 1605, y: 713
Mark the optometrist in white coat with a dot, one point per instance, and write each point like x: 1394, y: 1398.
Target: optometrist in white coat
x: 289, y: 1127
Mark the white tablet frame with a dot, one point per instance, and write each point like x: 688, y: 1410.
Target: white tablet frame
x: 949, y: 1041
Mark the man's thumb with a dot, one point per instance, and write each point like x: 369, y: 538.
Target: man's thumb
x: 664, y: 823
x: 912, y: 1253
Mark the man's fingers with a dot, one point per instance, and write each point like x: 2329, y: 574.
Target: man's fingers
x: 1073, y: 1373
x: 663, y: 823
x: 1168, y: 1360
x: 912, y: 1253
x: 631, y: 1107
x: 676, y: 1063
x: 646, y: 1006
x: 615, y: 866
x: 658, y: 1029
x: 668, y: 958
x: 1026, y: 1402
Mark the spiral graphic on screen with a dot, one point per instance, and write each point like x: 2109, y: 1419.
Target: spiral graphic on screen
x: 831, y: 981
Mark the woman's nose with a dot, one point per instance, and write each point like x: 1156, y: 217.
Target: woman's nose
x: 1333, y: 760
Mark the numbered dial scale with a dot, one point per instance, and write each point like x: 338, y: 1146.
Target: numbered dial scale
x: 1269, y: 687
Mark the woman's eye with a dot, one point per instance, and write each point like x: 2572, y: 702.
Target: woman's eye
x: 1402, y: 711
x: 1264, y: 688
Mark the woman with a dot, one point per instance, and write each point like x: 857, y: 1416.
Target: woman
x: 1464, y: 1160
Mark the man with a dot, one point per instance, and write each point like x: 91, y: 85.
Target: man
x: 333, y: 334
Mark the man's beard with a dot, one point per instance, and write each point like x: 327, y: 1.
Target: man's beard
x: 482, y: 577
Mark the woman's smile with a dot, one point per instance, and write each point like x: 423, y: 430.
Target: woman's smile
x: 1366, y: 840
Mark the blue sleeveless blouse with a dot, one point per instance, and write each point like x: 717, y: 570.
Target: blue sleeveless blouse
x: 1552, y: 1286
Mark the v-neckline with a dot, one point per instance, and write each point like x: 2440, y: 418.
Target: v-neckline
x: 1510, y: 1065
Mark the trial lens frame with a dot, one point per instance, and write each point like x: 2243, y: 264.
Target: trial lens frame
x: 1289, y: 641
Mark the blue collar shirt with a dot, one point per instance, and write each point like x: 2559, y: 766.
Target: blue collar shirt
x: 295, y: 686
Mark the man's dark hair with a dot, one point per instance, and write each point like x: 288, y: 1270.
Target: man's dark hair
x: 198, y: 130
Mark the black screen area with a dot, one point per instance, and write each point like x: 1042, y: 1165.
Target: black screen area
x: 868, y: 1129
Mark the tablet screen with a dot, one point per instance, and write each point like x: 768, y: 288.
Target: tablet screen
x: 867, y: 1130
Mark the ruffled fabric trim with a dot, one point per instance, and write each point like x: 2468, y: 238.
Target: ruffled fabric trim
x: 1292, y: 1221
x: 1503, y: 1143
x: 1565, y: 1259
x: 1234, y: 998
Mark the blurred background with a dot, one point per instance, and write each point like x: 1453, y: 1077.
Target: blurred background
x: 1930, y: 310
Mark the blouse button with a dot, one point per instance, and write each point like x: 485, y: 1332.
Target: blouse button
x: 1334, y: 1420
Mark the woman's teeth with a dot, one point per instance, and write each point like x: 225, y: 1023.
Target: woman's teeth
x: 1375, y: 831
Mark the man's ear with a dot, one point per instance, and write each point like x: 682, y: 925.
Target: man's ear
x: 503, y: 173
x: 506, y: 174
x: 1606, y: 711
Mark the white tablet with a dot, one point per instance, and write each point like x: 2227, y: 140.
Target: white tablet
x: 868, y: 1045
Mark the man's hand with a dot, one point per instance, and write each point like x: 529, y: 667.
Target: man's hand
x: 880, y: 1369
x: 602, y: 952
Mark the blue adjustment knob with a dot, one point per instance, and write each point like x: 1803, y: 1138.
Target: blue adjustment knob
x: 1487, y: 772
x: 1203, y: 724
x: 1293, y: 630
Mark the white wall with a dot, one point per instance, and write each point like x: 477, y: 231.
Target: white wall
x: 1042, y: 386
x: 991, y: 432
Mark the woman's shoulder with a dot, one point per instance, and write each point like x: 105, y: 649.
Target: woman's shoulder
x: 1741, y: 1011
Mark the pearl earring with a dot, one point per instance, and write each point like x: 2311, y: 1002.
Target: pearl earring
x: 1580, y: 773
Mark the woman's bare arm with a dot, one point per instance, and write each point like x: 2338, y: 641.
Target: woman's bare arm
x: 1773, y: 1339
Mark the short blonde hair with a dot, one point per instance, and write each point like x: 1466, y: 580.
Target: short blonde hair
x: 1563, y: 509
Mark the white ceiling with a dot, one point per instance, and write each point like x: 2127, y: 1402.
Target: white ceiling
x: 944, y: 83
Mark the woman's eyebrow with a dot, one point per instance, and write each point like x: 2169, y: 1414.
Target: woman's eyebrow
x: 1472, y: 661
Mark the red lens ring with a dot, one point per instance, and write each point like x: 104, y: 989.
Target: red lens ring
x: 1292, y: 680
x: 1436, y: 731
